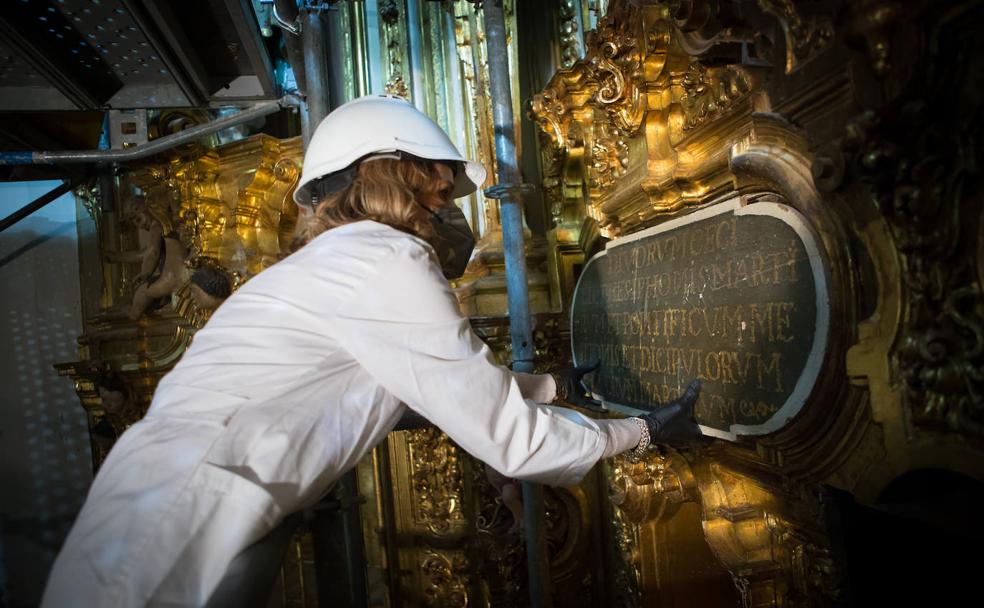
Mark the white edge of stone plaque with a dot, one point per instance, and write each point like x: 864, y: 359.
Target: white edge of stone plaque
x: 811, y: 369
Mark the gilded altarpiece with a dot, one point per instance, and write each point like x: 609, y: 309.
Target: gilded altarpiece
x: 864, y: 118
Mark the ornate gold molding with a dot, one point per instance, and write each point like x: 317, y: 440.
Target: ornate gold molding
x: 446, y: 580
x: 942, y: 318
x: 650, y: 489
x: 805, y: 36
x: 773, y: 542
x: 888, y: 197
x: 436, y: 481
x: 619, y: 124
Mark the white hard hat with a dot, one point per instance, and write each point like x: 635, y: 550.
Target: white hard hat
x: 380, y: 123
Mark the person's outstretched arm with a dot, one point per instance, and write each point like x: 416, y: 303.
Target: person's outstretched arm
x: 405, y: 328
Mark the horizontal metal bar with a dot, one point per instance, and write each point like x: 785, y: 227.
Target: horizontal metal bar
x: 150, y: 148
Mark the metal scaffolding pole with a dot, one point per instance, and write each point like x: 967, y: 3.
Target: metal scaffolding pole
x: 509, y: 190
x: 336, y: 525
x: 314, y: 36
x: 59, y: 157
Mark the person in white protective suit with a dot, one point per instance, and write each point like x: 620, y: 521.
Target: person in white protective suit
x: 312, y: 362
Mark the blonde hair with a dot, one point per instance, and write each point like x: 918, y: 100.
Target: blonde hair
x: 388, y: 190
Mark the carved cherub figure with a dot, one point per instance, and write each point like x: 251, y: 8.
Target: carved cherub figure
x: 161, y: 257
x: 210, y: 286
x: 118, y: 403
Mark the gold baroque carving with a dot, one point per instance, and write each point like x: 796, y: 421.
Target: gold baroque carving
x: 436, y: 480
x: 918, y: 185
x: 709, y: 131
x: 883, y: 26
x: 498, y: 547
x: 771, y: 539
x: 708, y: 92
x: 570, y: 46
x: 615, y: 64
x: 627, y: 574
x: 644, y: 491
x: 810, y: 567
x: 206, y: 206
x: 697, y: 140
x: 550, y: 111
x: 805, y: 38
x: 650, y: 488
x: 551, y: 339
x: 609, y: 156
x: 445, y: 578
x: 622, y: 122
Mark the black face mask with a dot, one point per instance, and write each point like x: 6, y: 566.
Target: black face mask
x: 454, y: 240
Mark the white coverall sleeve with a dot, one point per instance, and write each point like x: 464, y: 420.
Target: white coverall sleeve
x: 623, y: 434
x: 538, y: 387
x: 404, y: 328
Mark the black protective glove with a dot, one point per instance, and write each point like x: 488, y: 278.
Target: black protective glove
x: 674, y: 423
x: 570, y: 388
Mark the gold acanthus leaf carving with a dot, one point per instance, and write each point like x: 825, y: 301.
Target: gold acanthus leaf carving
x: 626, y: 109
x: 549, y: 111
x: 609, y: 157
x: 708, y: 92
x: 919, y: 187
x: 201, y: 215
x: 616, y: 63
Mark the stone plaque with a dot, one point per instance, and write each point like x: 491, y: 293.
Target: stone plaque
x: 734, y: 294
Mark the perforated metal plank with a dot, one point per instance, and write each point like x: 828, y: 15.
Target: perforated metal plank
x: 162, y: 27
x: 109, y: 28
x: 43, y: 37
x: 22, y: 88
x: 241, y: 12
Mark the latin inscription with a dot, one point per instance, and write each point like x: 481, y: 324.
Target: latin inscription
x: 730, y: 299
